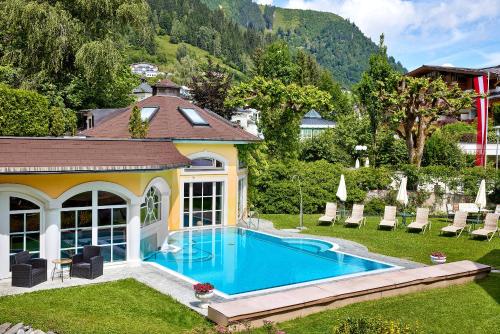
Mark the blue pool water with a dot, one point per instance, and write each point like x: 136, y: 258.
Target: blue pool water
x: 236, y: 260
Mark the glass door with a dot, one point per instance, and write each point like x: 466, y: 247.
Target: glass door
x: 203, y: 204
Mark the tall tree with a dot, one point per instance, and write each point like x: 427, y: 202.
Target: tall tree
x: 211, y: 87
x: 281, y: 110
x: 416, y: 105
x: 373, y: 84
x: 53, y: 43
x: 275, y: 62
x: 137, y: 128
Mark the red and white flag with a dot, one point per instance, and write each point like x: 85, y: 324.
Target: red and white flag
x: 481, y: 87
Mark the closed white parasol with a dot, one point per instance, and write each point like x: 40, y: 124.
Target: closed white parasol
x: 342, y: 191
x: 481, y: 195
x: 402, y: 193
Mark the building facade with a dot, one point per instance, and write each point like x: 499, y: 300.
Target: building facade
x: 313, y: 125
x: 125, y: 195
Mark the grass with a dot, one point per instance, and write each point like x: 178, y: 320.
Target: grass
x: 125, y: 306
x: 470, y: 308
x: 399, y: 243
x: 128, y: 306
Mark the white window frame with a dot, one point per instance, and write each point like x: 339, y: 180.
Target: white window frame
x: 224, y: 202
x: 95, y: 227
x: 205, y: 171
x: 242, y: 195
x: 24, y: 213
x: 144, y: 205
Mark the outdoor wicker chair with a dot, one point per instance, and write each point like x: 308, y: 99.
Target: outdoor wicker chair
x: 89, y: 264
x: 28, y: 272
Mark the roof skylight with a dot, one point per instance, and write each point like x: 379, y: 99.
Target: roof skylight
x: 193, y: 116
x: 147, y: 113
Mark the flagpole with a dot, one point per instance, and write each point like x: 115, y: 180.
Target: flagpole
x: 486, y: 125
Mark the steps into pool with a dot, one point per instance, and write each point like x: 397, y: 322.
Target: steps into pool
x: 298, y: 302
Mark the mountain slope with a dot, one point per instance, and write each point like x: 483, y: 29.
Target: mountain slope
x: 337, y: 44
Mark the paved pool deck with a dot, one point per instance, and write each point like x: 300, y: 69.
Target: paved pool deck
x: 180, y: 289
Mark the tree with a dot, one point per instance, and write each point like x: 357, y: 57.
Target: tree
x: 373, y: 84
x: 54, y: 43
x: 324, y: 147
x: 417, y: 104
x: 281, y: 110
x: 137, y: 128
x: 275, y: 62
x: 210, y: 89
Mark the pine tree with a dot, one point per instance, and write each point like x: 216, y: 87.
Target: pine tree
x: 137, y: 128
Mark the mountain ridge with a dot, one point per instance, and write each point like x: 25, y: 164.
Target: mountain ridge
x: 338, y: 44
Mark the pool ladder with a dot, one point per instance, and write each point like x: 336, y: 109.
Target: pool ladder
x: 251, y: 221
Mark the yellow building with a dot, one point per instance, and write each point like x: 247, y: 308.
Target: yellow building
x: 60, y: 194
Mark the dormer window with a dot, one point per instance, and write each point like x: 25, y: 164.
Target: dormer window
x: 193, y: 117
x: 147, y: 113
x: 205, y: 163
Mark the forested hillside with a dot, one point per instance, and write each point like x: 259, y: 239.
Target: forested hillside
x: 337, y: 44
x: 193, y: 22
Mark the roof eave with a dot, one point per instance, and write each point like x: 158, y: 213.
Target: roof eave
x: 88, y: 169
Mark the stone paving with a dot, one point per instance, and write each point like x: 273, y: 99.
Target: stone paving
x: 180, y: 289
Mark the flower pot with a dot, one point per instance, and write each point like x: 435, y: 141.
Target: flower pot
x: 204, y: 298
x: 438, y: 259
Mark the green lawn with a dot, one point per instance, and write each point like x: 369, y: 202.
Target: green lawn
x: 128, y: 306
x: 125, y: 306
x: 399, y: 243
x: 471, y: 308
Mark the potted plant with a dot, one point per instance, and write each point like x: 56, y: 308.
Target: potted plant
x: 438, y: 257
x: 204, y: 293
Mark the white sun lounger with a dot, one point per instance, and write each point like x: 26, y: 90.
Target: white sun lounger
x: 330, y: 213
x: 421, y: 220
x: 389, y: 219
x: 458, y: 225
x: 490, y: 227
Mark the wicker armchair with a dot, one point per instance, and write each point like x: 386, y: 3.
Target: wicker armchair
x: 89, y: 264
x: 28, y: 272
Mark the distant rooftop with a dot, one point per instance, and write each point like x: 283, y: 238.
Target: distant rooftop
x: 314, y: 119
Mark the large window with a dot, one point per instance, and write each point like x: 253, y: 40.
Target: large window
x: 24, y: 224
x: 77, y: 224
x: 151, y: 207
x: 203, y: 203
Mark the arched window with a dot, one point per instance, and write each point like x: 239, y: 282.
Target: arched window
x: 151, y: 207
x: 205, y: 163
x: 24, y: 224
x: 78, y: 224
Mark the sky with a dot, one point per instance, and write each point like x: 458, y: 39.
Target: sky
x: 463, y: 33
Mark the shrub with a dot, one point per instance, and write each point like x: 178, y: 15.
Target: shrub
x: 375, y: 207
x: 372, y: 326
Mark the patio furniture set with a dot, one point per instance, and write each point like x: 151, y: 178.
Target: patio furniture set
x: 421, y: 221
x: 28, y: 272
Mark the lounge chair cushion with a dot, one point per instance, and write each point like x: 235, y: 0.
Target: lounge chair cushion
x: 417, y: 226
x: 353, y: 220
x: 325, y: 218
x: 483, y: 232
x: 384, y: 222
x: 451, y: 229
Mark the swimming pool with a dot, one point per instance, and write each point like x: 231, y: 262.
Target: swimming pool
x: 237, y: 260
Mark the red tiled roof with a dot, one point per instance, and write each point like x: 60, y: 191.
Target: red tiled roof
x: 169, y: 123
x: 66, y: 155
x: 165, y: 83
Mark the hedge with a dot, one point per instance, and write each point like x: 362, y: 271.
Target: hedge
x: 275, y: 188
x: 23, y: 113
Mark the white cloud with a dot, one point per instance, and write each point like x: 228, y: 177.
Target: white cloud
x: 416, y: 26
